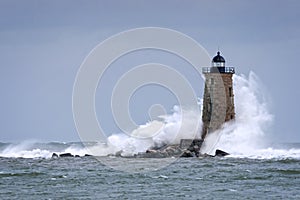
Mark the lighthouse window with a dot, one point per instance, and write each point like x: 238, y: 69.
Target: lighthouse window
x: 212, y: 81
x: 230, y: 91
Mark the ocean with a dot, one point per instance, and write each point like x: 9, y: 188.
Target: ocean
x: 27, y: 171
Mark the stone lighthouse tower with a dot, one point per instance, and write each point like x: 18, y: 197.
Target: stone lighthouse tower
x: 218, y: 100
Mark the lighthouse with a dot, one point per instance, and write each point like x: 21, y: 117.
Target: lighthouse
x: 218, y: 98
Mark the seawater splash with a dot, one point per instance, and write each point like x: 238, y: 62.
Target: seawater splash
x: 169, y: 130
x: 247, y: 132
x: 246, y: 136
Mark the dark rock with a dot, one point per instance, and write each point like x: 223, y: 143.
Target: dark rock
x: 151, y: 151
x: 76, y: 156
x: 66, y: 155
x: 54, y: 155
x: 221, y: 153
x: 87, y: 155
x: 187, y: 154
x: 192, y: 145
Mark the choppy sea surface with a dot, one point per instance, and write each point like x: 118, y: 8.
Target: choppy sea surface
x: 31, y: 173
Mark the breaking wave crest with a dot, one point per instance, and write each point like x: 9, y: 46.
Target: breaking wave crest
x: 33, y: 149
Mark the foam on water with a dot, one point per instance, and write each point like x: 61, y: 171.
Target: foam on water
x: 35, y: 153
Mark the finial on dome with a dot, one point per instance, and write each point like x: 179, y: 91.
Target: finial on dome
x: 218, y: 58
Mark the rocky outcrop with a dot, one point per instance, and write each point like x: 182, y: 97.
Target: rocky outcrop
x: 187, y: 154
x: 176, y: 151
x: 54, y: 155
x: 63, y: 155
x: 67, y: 155
x: 164, y: 152
x: 221, y: 153
x: 187, y: 148
x: 193, y: 150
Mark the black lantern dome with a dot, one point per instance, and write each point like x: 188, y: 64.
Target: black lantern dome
x: 218, y: 61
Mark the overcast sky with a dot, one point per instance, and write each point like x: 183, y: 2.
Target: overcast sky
x: 43, y: 43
